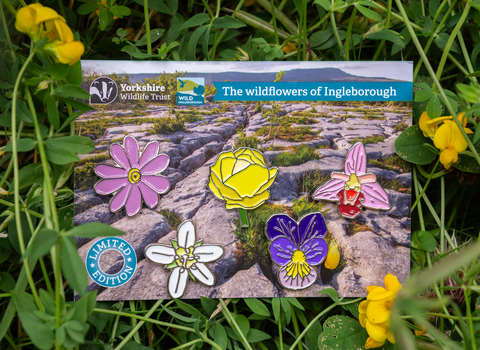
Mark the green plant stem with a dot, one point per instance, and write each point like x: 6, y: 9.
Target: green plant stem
x: 296, y: 329
x: 137, y: 327
x: 6, y: 32
x: 274, y: 20
x: 304, y: 30
x: 10, y: 9
x: 434, y: 77
x: 193, y: 342
x: 429, y: 178
x: 335, y: 29
x: 134, y: 321
x: 234, y: 325
x: 147, y: 26
x: 471, y: 329
x: 208, y: 8
x: 280, y: 331
x: 279, y: 15
x: 144, y: 318
x: 387, y: 25
x: 243, y: 218
x: 450, y: 317
x: 349, y: 33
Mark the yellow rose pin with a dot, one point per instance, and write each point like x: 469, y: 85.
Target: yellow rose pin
x: 242, y: 180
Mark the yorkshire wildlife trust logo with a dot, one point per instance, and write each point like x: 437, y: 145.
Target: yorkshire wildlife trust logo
x: 102, y: 278
x: 190, y: 91
x: 103, y: 91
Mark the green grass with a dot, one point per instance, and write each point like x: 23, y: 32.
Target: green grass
x: 394, y: 163
x: 401, y: 126
x: 302, y: 154
x: 173, y: 219
x: 368, y: 139
x: 312, y: 180
x: 168, y: 125
x: 96, y: 158
x: 85, y: 176
x: 246, y: 141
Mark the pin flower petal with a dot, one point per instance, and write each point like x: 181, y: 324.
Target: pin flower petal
x: 355, y: 187
x: 297, y: 247
x: 135, y: 177
x: 186, y: 257
x: 374, y: 313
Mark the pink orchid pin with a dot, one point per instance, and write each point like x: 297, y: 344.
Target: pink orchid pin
x: 135, y: 177
x: 355, y: 187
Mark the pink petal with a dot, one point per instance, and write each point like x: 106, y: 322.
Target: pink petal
x: 149, y: 196
x: 119, y: 200
x: 156, y: 165
x: 110, y: 185
x: 158, y: 183
x: 118, y: 153
x: 375, y: 196
x: 134, y: 201
x: 329, y: 190
x: 356, y: 161
x: 149, y: 152
x: 110, y: 172
x: 131, y: 147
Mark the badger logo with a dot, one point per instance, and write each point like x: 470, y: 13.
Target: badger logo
x: 103, y: 90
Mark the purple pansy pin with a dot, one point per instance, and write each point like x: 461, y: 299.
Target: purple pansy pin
x: 355, y: 187
x: 135, y: 177
x: 297, y: 247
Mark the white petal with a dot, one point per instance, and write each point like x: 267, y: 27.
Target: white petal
x: 208, y: 253
x: 160, y: 254
x: 186, y: 234
x: 177, y: 282
x: 203, y: 274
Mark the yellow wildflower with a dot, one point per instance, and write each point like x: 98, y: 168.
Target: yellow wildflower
x: 429, y: 126
x: 63, y: 46
x: 29, y: 19
x: 288, y: 48
x: 463, y: 120
x: 333, y: 256
x: 375, y: 312
x: 450, y: 141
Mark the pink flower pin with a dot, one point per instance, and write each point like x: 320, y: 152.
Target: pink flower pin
x: 135, y: 177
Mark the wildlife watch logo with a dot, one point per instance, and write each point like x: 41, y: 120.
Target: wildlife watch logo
x: 103, y: 91
x: 190, y: 91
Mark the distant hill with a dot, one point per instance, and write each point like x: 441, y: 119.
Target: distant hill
x: 188, y: 85
x: 294, y: 75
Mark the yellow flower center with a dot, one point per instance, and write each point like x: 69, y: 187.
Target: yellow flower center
x: 184, y: 257
x: 298, y: 265
x: 134, y: 175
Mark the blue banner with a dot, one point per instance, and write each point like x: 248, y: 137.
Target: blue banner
x: 344, y: 91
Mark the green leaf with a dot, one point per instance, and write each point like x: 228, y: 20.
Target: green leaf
x: 426, y: 240
x: 423, y: 95
x: 70, y: 90
x: 189, y: 309
x: 353, y: 307
x: 85, y: 9
x: 155, y: 34
x: 7, y: 282
x: 159, y: 6
x: 287, y: 308
x: 74, y: 143
x: 77, y: 104
x: 276, y: 308
x: 52, y: 112
x: 72, y: 266
x: 369, y: 13
x: 332, y: 293
x: 467, y: 164
x: 242, y: 323
x: 312, y: 335
x: 192, y: 44
x: 58, y: 71
x: 228, y: 22
x: 320, y: 37
x: 409, y: 146
x: 30, y: 174
x: 441, y: 42
x: 76, y: 330
x: 120, y: 11
x: 389, y: 35
x: 41, y: 243
x: 257, y: 306
x: 327, y: 5
x: 103, y: 18
x: 94, y: 229
x: 476, y: 137
x: 220, y: 336
x: 340, y: 332
x: 23, y: 145
x: 74, y: 75
x: 296, y: 303
x: 195, y: 21
x: 434, y: 107
x: 255, y: 335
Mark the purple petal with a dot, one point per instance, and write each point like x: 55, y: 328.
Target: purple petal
x: 375, y: 196
x: 356, y: 161
x: 119, y: 200
x: 110, y: 172
x: 158, y: 183
x: 315, y: 251
x: 311, y: 226
x: 150, y: 151
x: 149, y: 196
x: 134, y: 201
x: 282, y: 250
x: 156, y: 165
x: 118, y: 153
x: 110, y: 185
x: 297, y: 282
x: 329, y: 190
x: 282, y: 225
x: 131, y: 147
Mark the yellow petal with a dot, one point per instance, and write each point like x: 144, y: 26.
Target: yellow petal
x: 372, y: 344
x: 370, y: 288
x: 462, y: 119
x: 378, y: 332
x: 216, y: 168
x: 25, y: 20
x: 362, y: 307
x: 64, y: 32
x: 226, y: 168
x: 362, y: 318
x: 438, y: 120
x: 247, y: 182
x: 449, y: 136
x: 390, y: 337
x: 214, y: 188
x: 240, y: 164
x: 333, y: 256
x: 68, y: 53
x: 378, y: 312
x: 391, y: 283
x: 468, y: 131
x: 272, y: 175
x: 448, y: 157
x: 428, y: 131
x: 256, y: 156
x: 248, y: 202
x: 226, y: 192
x: 380, y: 293
x: 43, y: 14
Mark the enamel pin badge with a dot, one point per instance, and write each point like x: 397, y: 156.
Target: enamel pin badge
x: 241, y: 179
x: 186, y: 257
x: 135, y: 178
x: 354, y: 188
